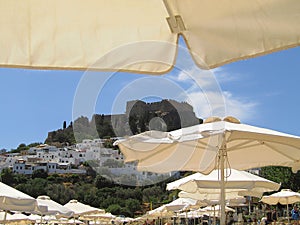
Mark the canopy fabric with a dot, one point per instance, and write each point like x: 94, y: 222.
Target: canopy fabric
x: 215, y: 144
x: 236, y: 180
x: 53, y: 208
x: 161, y: 212
x: 14, y: 200
x: 190, y: 214
x: 214, y: 195
x: 214, y: 210
x: 284, y: 197
x: 98, y: 217
x: 217, y: 208
x: 198, y: 148
x: 17, y: 218
x: 80, y: 209
x: 82, y: 34
x: 183, y: 204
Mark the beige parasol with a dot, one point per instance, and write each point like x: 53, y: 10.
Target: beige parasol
x: 284, y: 197
x: 216, y: 143
x: 75, y: 34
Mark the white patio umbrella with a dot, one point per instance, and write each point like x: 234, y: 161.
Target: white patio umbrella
x: 215, y: 210
x: 62, y: 221
x: 80, y: 209
x: 284, y: 197
x: 55, y: 35
x: 214, y: 144
x: 98, y: 217
x: 170, y: 209
x: 16, y: 218
x: 235, y: 180
x: 161, y: 212
x: 191, y: 214
x: 14, y: 200
x: 53, y: 208
x: 183, y: 204
x: 212, y: 198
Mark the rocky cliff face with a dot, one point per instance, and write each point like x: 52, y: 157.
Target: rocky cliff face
x: 166, y: 115
x: 140, y: 116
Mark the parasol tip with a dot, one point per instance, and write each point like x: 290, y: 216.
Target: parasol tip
x: 229, y: 119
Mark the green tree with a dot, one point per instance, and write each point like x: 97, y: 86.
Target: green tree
x: 64, y: 124
x: 60, y: 193
x: 20, y: 178
x: 102, y: 182
x: 283, y: 175
x: 115, y: 209
x: 7, y: 176
x: 132, y: 205
x: 40, y: 173
x: 35, y: 187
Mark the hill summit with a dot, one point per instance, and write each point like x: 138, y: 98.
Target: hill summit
x: 166, y: 115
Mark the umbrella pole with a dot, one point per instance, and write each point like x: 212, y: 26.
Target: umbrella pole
x: 287, y: 212
x: 222, y: 169
x: 215, y: 219
x: 5, y: 215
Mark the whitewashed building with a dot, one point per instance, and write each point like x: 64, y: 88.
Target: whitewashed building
x: 27, y: 168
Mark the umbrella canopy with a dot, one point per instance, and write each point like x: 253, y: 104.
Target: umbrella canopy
x: 211, y: 197
x: 200, y: 147
x: 13, y: 200
x: 160, y: 212
x: 216, y: 143
x: 183, y: 204
x: 98, y: 217
x: 191, y: 214
x: 80, y: 209
x: 168, y: 210
x: 55, y: 35
x: 284, y: 197
x: 215, y: 210
x: 62, y: 221
x: 17, y: 218
x: 53, y: 207
x: 233, y: 197
x: 235, y: 180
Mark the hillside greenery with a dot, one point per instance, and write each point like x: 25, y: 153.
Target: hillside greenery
x: 100, y: 192
x: 91, y: 189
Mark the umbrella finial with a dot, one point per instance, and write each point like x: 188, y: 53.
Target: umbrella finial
x: 231, y: 119
x: 212, y: 119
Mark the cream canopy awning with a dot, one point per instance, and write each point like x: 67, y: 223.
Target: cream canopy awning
x: 235, y: 180
x: 17, y: 218
x: 53, y: 208
x: 197, y: 148
x: 284, y: 197
x: 216, y: 143
x: 12, y: 199
x: 81, y: 34
x: 81, y: 209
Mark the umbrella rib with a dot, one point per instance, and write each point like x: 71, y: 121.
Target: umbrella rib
x: 166, y: 147
x: 282, y: 153
x: 154, y: 154
x: 242, y: 145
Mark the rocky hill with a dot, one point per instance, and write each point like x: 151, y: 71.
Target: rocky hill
x: 140, y: 116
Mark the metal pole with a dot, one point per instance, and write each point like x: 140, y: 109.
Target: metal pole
x: 287, y: 213
x: 222, y: 168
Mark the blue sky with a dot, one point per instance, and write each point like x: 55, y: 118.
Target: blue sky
x: 262, y: 91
